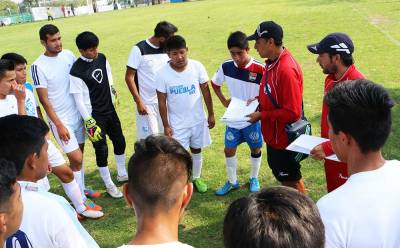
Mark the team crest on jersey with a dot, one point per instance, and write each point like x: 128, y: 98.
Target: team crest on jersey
x: 252, y: 76
x: 98, y: 75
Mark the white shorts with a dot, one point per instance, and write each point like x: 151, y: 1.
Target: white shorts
x: 55, y: 156
x: 194, y: 137
x: 149, y: 124
x: 76, y: 133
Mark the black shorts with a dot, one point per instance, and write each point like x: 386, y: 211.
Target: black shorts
x: 283, y: 165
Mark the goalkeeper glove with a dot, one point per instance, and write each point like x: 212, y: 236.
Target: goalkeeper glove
x: 93, y: 131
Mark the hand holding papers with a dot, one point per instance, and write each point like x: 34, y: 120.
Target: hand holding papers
x: 305, y: 143
x: 235, y: 114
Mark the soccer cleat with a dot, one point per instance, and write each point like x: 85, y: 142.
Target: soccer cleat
x: 254, y: 185
x: 91, y: 214
x: 200, y: 186
x: 122, y: 179
x: 90, y: 204
x: 92, y: 193
x: 114, y: 192
x: 228, y: 186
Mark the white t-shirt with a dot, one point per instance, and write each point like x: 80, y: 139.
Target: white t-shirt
x: 147, y: 59
x: 8, y: 106
x: 50, y: 221
x: 185, y: 107
x: 176, y: 244
x: 365, y: 211
x: 30, y: 101
x: 53, y: 73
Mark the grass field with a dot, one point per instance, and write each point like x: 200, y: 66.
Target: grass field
x: 373, y: 25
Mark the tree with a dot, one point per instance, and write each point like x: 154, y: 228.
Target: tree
x: 8, y: 4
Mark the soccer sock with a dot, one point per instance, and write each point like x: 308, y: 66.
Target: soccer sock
x: 105, y: 175
x: 255, y: 164
x: 231, y: 166
x: 78, y: 179
x: 197, y: 164
x: 83, y: 177
x: 74, y: 194
x: 120, y: 161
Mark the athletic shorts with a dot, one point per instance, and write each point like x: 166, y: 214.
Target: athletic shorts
x: 195, y: 137
x: 283, y: 165
x: 55, y: 156
x: 251, y: 135
x: 76, y: 133
x: 149, y: 124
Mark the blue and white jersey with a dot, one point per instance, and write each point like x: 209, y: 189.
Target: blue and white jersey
x: 48, y: 221
x: 185, y: 107
x: 243, y: 83
x: 30, y: 101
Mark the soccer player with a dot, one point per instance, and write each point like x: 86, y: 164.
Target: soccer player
x: 56, y: 160
x: 274, y: 217
x: 12, y: 95
x: 283, y: 82
x: 242, y: 75
x: 50, y: 74
x: 48, y: 219
x: 364, y: 211
x: 336, y: 60
x: 180, y: 84
x: 145, y: 59
x: 11, y: 206
x: 159, y: 189
x: 91, y: 84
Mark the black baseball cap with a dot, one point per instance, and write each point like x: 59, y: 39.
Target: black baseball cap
x: 268, y: 29
x: 334, y: 43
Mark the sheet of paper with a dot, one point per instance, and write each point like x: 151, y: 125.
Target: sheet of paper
x: 305, y: 143
x: 238, y: 109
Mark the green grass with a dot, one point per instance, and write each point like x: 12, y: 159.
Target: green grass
x: 374, y: 27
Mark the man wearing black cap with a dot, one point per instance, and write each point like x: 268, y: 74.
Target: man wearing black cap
x: 336, y: 60
x: 280, y: 98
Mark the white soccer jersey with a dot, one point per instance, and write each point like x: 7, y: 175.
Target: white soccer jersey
x: 243, y: 83
x: 53, y: 73
x: 8, y: 106
x: 49, y: 221
x: 185, y: 107
x: 146, y: 59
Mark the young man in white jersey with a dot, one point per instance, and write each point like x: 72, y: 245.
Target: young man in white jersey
x: 11, y: 206
x: 159, y: 190
x: 242, y: 75
x: 180, y: 84
x: 364, y: 211
x: 50, y: 74
x: 91, y: 84
x: 56, y: 160
x: 48, y: 219
x: 12, y: 95
x: 145, y: 59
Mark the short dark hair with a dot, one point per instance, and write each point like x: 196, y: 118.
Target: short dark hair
x: 346, y: 60
x: 16, y: 58
x: 276, y: 217
x: 48, y: 29
x: 361, y: 109
x: 165, y: 29
x: 21, y: 136
x: 86, y: 40
x: 157, y: 163
x: 5, y: 65
x: 8, y: 177
x: 238, y: 39
x: 175, y: 42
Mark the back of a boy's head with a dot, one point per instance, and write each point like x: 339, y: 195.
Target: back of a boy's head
x: 20, y: 137
x: 165, y: 29
x: 5, y: 65
x: 277, y: 217
x: 237, y: 39
x: 158, y: 164
x: 16, y: 58
x: 8, y: 176
x: 86, y: 40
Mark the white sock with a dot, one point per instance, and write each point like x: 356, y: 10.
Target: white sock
x: 83, y: 176
x: 197, y: 164
x: 105, y: 175
x: 255, y: 166
x: 120, y: 161
x: 74, y: 194
x: 231, y: 166
x: 78, y: 179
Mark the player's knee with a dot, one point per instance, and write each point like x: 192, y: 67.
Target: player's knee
x: 64, y: 173
x: 229, y: 152
x: 119, y: 145
x: 75, y: 160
